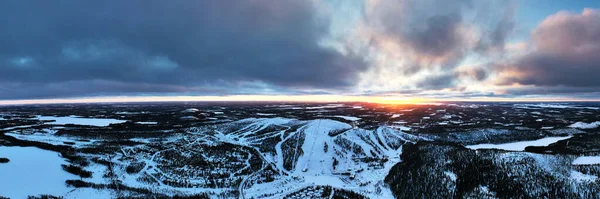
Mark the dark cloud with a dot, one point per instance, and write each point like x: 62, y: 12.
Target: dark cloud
x: 436, y: 37
x: 82, y: 88
x: 553, y: 90
x: 392, y: 93
x: 449, y: 80
x: 477, y: 73
x: 480, y: 74
x: 438, y: 82
x: 566, y: 54
x: 428, y: 29
x: 99, y: 88
x: 180, y: 44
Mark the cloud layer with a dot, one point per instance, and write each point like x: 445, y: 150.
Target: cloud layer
x: 346, y: 47
x: 424, y: 44
x: 169, y: 44
x: 565, y: 55
x: 566, y: 52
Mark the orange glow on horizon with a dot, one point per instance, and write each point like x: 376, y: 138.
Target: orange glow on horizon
x: 401, y: 100
x: 279, y: 98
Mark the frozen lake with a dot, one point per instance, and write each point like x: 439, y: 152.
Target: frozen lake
x: 587, y: 160
x: 80, y: 121
x: 583, y: 125
x: 519, y: 146
x: 32, y: 171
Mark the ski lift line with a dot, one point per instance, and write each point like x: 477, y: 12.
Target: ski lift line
x: 312, y: 148
x: 294, y: 159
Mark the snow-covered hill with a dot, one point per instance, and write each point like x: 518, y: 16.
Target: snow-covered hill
x: 316, y: 152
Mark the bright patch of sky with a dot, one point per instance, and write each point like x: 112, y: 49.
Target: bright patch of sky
x: 531, y: 12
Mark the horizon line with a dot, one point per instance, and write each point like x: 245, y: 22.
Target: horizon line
x: 277, y: 98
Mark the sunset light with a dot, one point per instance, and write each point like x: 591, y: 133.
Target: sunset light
x: 299, y: 99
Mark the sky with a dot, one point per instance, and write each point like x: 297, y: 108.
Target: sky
x: 331, y: 50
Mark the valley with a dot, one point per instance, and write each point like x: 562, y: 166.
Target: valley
x: 306, y: 150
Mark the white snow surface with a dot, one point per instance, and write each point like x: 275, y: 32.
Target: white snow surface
x: 90, y: 193
x: 451, y: 175
x: 51, y: 139
x: 131, y: 113
x: 188, y: 118
x: 79, y: 120
x: 314, y: 160
x: 400, y: 127
x: 552, y: 105
x: 190, y: 110
x: 349, y: 118
x: 326, y: 106
x: 324, y: 180
x: 519, y: 146
x: 265, y: 114
x: 586, y: 160
x: 147, y: 123
x: 581, y: 177
x: 583, y: 125
x: 313, y: 167
x: 32, y: 171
